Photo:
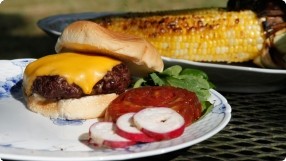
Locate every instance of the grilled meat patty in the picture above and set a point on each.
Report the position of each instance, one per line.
(57, 87)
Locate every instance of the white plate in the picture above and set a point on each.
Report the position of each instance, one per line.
(226, 77)
(25, 135)
(54, 25)
(231, 78)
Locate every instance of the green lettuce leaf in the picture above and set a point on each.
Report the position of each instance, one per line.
(191, 79)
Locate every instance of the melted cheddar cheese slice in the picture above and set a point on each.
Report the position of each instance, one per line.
(81, 69)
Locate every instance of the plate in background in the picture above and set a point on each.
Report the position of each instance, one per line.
(54, 25)
(226, 77)
(242, 79)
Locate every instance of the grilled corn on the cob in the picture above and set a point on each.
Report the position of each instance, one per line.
(212, 35)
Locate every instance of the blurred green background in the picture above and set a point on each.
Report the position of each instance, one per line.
(20, 36)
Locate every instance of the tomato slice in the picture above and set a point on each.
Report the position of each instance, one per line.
(181, 100)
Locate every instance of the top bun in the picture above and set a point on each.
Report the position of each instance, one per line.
(89, 37)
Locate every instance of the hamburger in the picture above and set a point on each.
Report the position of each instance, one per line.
(91, 68)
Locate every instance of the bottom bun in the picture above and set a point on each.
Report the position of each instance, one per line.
(88, 107)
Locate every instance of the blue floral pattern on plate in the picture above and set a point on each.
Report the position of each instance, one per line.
(52, 140)
(63, 122)
(12, 85)
(219, 103)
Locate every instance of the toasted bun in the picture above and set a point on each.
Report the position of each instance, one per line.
(86, 36)
(88, 107)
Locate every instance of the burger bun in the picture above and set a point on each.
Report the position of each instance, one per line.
(89, 37)
(88, 107)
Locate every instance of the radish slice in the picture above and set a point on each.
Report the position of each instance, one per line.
(160, 123)
(126, 128)
(103, 134)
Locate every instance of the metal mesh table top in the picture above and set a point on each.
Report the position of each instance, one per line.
(256, 131)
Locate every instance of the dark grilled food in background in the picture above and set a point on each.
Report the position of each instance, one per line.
(273, 14)
(57, 87)
(272, 10)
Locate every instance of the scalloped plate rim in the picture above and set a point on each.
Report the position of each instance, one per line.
(25, 154)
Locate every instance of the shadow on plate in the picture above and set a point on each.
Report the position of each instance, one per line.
(161, 157)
